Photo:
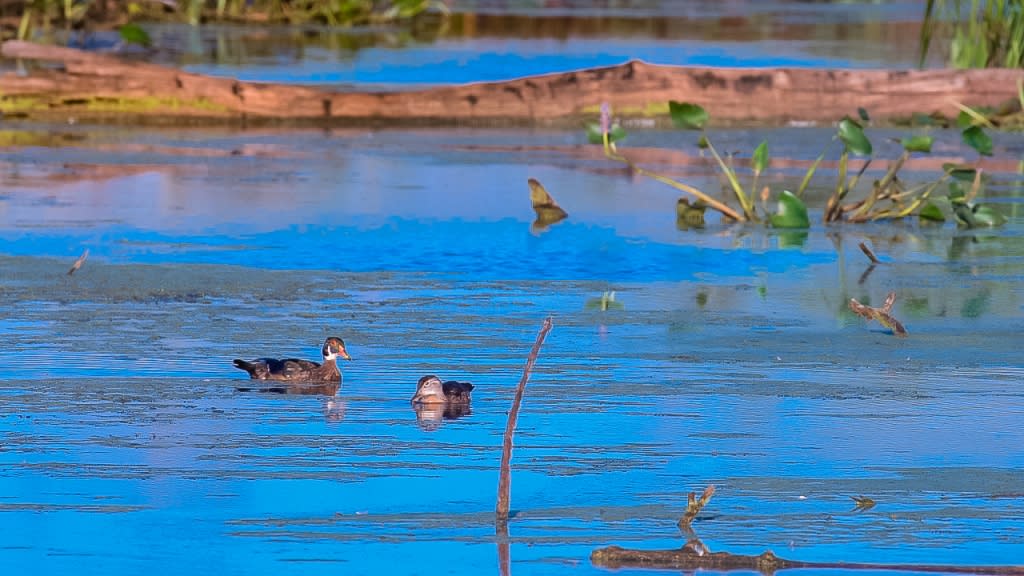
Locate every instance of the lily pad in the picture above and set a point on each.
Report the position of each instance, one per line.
(918, 144)
(852, 135)
(792, 212)
(594, 135)
(976, 138)
(687, 116)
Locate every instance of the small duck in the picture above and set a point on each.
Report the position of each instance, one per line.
(430, 390)
(295, 370)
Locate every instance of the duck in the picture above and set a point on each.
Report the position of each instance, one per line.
(430, 390)
(295, 370)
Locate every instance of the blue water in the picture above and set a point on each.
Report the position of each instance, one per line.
(125, 446)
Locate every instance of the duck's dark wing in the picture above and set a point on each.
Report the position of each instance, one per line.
(276, 369)
(289, 368)
(457, 392)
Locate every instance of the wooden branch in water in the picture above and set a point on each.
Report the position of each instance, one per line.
(78, 263)
(882, 315)
(91, 85)
(505, 473)
(688, 558)
(694, 506)
(869, 253)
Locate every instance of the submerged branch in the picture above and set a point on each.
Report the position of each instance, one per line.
(882, 315)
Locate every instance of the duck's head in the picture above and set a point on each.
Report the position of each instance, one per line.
(334, 348)
(429, 391)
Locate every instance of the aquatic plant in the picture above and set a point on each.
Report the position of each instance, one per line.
(45, 14)
(888, 198)
(983, 34)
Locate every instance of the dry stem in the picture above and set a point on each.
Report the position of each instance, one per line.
(504, 478)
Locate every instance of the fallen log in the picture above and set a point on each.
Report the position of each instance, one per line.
(94, 86)
(687, 558)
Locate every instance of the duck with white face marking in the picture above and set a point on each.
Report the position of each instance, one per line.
(296, 370)
(431, 390)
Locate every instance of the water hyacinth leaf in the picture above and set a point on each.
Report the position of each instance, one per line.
(986, 215)
(976, 138)
(134, 34)
(760, 159)
(964, 215)
(594, 135)
(961, 172)
(964, 120)
(792, 212)
(687, 116)
(918, 144)
(852, 135)
(863, 114)
(932, 213)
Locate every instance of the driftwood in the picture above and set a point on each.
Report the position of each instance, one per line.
(882, 315)
(89, 84)
(689, 558)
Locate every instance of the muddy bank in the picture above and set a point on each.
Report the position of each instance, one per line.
(89, 86)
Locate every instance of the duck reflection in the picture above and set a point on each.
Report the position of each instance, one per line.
(333, 407)
(431, 416)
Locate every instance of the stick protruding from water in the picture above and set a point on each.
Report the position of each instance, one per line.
(505, 473)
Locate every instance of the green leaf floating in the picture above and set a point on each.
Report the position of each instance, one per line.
(986, 215)
(918, 144)
(760, 159)
(594, 135)
(932, 213)
(852, 135)
(134, 34)
(976, 138)
(687, 116)
(961, 172)
(792, 212)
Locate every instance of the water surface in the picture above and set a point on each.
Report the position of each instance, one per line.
(125, 446)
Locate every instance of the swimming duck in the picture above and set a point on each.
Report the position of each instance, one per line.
(295, 370)
(430, 390)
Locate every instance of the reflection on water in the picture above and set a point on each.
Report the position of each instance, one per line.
(733, 360)
(504, 41)
(431, 416)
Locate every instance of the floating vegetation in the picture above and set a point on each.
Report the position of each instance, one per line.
(548, 211)
(604, 303)
(881, 315)
(889, 197)
(862, 503)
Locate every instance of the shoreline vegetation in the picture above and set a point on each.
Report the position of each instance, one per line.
(81, 86)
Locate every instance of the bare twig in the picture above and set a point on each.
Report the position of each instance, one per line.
(882, 315)
(869, 253)
(504, 477)
(694, 506)
(78, 263)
